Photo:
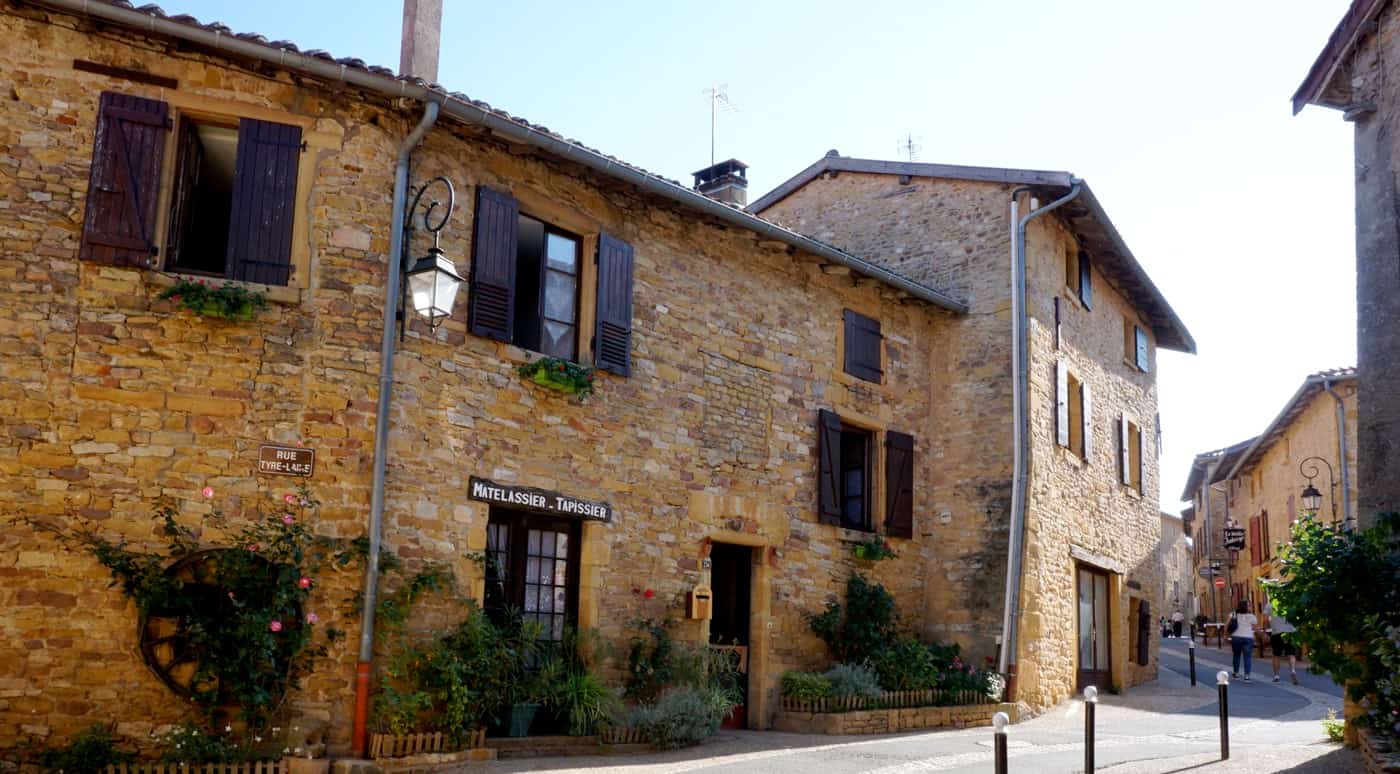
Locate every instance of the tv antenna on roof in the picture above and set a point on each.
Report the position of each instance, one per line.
(908, 147)
(719, 101)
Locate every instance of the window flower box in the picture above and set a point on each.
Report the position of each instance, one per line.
(561, 375)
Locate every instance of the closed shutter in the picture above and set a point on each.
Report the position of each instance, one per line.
(1254, 540)
(863, 345)
(828, 467)
(264, 201)
(1061, 403)
(899, 484)
(1086, 280)
(1141, 348)
(1086, 420)
(1124, 463)
(119, 224)
(492, 286)
(613, 337)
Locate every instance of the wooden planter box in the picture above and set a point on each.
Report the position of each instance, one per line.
(259, 767)
(391, 746)
(623, 736)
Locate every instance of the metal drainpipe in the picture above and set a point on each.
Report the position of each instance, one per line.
(1020, 429)
(1347, 516)
(392, 300)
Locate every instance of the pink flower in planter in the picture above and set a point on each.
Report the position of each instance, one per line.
(255, 547)
(304, 583)
(275, 626)
(289, 498)
(287, 519)
(312, 618)
(207, 491)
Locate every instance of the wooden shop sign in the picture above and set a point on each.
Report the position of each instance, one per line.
(286, 460)
(544, 501)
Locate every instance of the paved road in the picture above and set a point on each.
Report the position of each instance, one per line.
(1163, 727)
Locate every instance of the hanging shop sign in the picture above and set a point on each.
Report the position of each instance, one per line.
(541, 500)
(286, 460)
(1234, 538)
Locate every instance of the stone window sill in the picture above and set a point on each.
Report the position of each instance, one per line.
(278, 294)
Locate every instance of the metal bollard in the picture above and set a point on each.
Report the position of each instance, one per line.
(1191, 654)
(1091, 702)
(1222, 684)
(999, 722)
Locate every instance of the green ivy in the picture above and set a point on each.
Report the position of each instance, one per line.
(865, 626)
(226, 302)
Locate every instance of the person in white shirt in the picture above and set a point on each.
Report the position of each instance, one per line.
(1242, 639)
(1178, 618)
(1281, 642)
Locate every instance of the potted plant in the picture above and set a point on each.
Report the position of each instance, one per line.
(225, 302)
(534, 687)
(585, 702)
(558, 374)
(874, 548)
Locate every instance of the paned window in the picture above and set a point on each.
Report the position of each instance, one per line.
(855, 478)
(847, 466)
(546, 277)
(532, 568)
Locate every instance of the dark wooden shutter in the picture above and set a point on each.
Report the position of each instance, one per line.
(188, 166)
(1086, 280)
(1086, 420)
(1124, 465)
(1265, 546)
(1061, 403)
(1140, 342)
(828, 467)
(1254, 552)
(863, 345)
(899, 484)
(613, 335)
(492, 285)
(264, 201)
(119, 224)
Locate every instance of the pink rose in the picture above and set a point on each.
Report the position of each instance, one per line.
(312, 618)
(304, 583)
(287, 519)
(289, 498)
(207, 491)
(275, 626)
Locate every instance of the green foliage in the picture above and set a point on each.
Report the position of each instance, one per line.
(241, 608)
(910, 665)
(187, 743)
(1341, 589)
(853, 680)
(864, 627)
(657, 662)
(1334, 726)
(559, 374)
(681, 716)
(875, 548)
(585, 702)
(226, 302)
(90, 751)
(806, 686)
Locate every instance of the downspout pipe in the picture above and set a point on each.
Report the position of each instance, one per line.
(1020, 429)
(393, 298)
(1348, 519)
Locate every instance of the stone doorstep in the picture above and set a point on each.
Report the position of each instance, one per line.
(561, 746)
(1378, 755)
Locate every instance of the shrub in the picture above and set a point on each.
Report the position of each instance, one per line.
(853, 680)
(910, 665)
(805, 686)
(90, 751)
(186, 743)
(657, 662)
(681, 717)
(864, 627)
(1334, 727)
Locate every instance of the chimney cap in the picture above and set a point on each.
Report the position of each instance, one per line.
(719, 168)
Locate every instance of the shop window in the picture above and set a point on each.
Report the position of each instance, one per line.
(232, 202)
(532, 568)
(863, 346)
(525, 283)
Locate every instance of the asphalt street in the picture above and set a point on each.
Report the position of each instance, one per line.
(1164, 726)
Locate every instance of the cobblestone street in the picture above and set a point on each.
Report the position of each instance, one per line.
(1163, 726)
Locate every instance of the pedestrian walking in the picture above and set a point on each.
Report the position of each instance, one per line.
(1281, 643)
(1241, 631)
(1178, 618)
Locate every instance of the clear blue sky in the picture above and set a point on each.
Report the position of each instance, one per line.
(1176, 113)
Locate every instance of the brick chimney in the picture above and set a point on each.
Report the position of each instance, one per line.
(422, 32)
(725, 182)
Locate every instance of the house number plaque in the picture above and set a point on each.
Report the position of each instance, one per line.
(542, 500)
(286, 460)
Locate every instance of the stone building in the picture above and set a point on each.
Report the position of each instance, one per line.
(1355, 74)
(1208, 514)
(764, 400)
(1094, 321)
(1174, 554)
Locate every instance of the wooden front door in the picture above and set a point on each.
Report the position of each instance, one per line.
(731, 581)
(1094, 629)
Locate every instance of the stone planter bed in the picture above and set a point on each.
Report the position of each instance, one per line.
(893, 711)
(1379, 755)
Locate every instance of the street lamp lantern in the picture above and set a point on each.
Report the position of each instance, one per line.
(432, 284)
(1312, 499)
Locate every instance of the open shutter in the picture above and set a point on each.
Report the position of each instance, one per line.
(1086, 280)
(1138, 465)
(828, 467)
(264, 201)
(899, 484)
(1061, 403)
(492, 285)
(1254, 552)
(1086, 420)
(613, 337)
(1124, 464)
(189, 163)
(119, 224)
(1140, 348)
(863, 345)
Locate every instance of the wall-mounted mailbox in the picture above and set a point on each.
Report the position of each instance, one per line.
(699, 604)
